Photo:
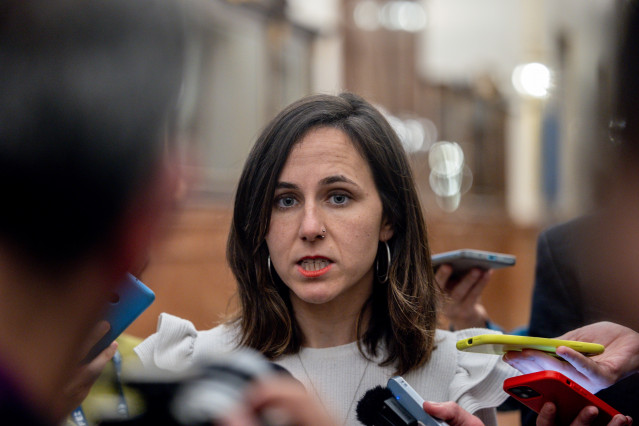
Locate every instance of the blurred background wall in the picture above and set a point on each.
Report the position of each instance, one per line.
(442, 70)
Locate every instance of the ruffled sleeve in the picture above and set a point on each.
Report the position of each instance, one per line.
(171, 347)
(478, 380)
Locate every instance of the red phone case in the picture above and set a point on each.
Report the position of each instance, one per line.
(535, 389)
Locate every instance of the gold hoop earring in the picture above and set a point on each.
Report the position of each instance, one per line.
(383, 278)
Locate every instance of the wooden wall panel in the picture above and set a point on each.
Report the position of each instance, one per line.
(188, 270)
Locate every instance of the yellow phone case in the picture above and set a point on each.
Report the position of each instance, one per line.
(499, 344)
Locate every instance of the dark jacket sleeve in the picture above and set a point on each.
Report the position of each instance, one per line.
(556, 301)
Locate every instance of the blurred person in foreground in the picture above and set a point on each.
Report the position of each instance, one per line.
(86, 90)
(86, 174)
(621, 210)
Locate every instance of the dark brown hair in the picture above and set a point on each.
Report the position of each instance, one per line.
(403, 310)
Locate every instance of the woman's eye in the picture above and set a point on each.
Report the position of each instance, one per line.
(284, 202)
(339, 199)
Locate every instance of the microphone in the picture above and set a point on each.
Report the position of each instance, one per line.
(378, 407)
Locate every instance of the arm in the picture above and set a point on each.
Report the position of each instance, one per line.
(620, 358)
(555, 300)
(85, 375)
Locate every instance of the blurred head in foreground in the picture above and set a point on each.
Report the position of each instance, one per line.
(87, 91)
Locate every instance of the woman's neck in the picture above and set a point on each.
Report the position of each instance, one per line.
(327, 325)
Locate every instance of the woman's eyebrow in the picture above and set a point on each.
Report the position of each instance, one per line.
(286, 185)
(325, 181)
(336, 179)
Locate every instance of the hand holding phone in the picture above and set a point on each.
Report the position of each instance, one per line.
(499, 344)
(411, 400)
(569, 398)
(127, 302)
(462, 306)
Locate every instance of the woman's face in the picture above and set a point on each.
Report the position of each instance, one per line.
(326, 221)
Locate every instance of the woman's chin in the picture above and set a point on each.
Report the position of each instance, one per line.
(316, 299)
(314, 296)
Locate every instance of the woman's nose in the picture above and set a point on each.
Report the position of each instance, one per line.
(312, 227)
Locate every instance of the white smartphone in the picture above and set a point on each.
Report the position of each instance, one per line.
(127, 302)
(464, 260)
(411, 401)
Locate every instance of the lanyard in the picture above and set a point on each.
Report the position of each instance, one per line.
(123, 409)
(78, 417)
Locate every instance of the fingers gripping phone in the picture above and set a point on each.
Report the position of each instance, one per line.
(499, 344)
(464, 260)
(535, 389)
(127, 302)
(411, 401)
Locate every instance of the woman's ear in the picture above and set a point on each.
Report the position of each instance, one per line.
(386, 230)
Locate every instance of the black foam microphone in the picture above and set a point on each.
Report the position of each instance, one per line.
(378, 407)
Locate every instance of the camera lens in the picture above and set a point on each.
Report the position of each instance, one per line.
(524, 392)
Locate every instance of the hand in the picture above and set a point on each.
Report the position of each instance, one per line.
(620, 358)
(280, 401)
(85, 375)
(585, 417)
(462, 306)
(451, 413)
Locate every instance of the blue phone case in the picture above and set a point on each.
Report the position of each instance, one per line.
(128, 301)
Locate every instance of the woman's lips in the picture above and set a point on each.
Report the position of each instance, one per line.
(314, 267)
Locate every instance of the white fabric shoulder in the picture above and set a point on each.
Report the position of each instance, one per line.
(479, 378)
(177, 345)
(340, 375)
(472, 380)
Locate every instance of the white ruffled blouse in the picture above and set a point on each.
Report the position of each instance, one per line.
(339, 376)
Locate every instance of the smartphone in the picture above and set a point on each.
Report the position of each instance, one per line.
(535, 389)
(126, 303)
(411, 401)
(499, 344)
(464, 260)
